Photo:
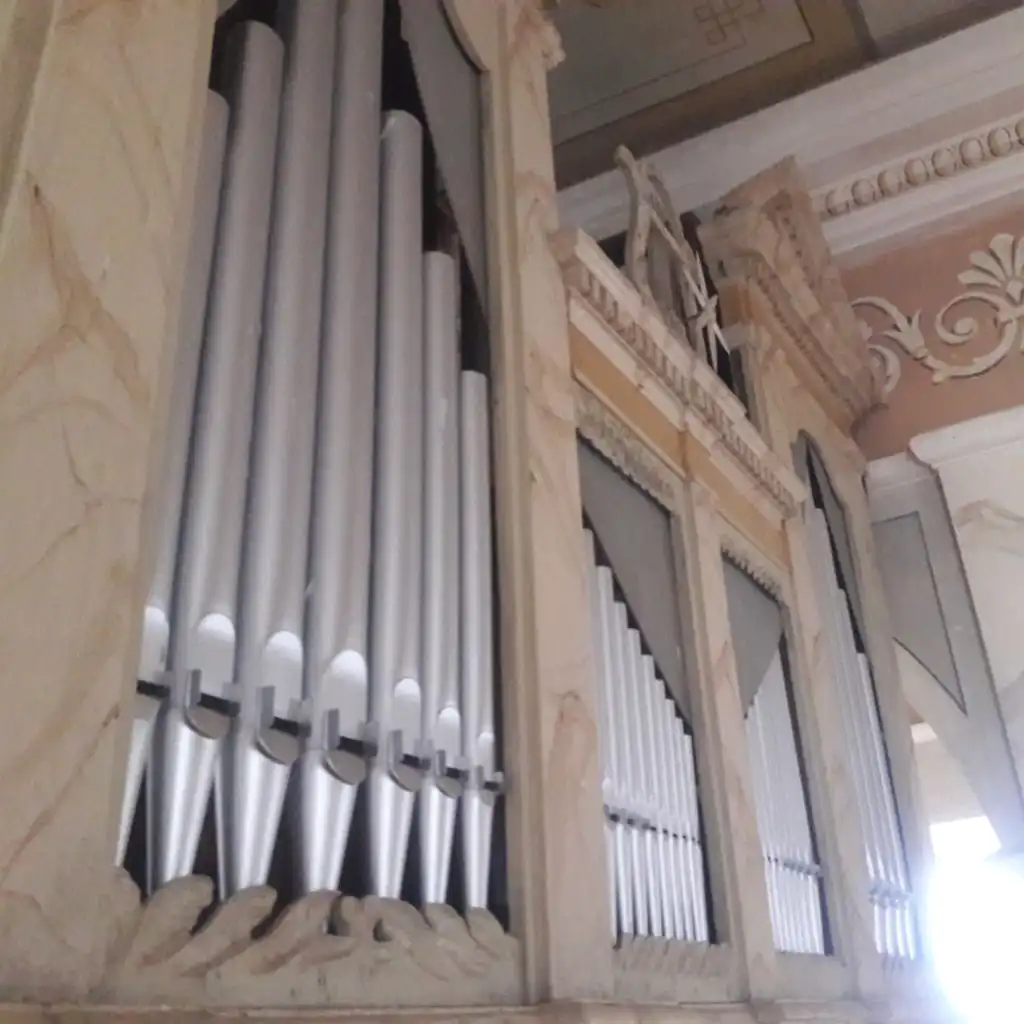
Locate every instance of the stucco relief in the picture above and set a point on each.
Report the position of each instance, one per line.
(991, 304)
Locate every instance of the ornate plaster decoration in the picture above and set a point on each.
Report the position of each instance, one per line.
(994, 279)
(597, 284)
(926, 167)
(622, 448)
(377, 953)
(766, 233)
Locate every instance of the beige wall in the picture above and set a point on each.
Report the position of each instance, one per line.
(923, 281)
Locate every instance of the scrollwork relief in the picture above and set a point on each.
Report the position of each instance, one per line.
(323, 949)
(995, 280)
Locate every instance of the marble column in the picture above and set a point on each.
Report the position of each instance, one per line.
(100, 109)
(980, 465)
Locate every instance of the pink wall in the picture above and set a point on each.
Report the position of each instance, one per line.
(919, 281)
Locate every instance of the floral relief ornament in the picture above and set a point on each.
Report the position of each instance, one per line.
(995, 279)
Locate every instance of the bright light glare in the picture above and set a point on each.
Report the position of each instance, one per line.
(976, 920)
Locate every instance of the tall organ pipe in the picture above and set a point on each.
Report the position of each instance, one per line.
(204, 622)
(395, 668)
(442, 717)
(254, 768)
(335, 677)
(477, 639)
(156, 625)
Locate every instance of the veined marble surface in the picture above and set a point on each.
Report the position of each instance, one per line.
(98, 159)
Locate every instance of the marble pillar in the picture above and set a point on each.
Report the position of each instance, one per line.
(100, 106)
(556, 858)
(980, 465)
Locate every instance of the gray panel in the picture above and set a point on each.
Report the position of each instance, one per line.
(755, 620)
(450, 87)
(635, 533)
(913, 598)
(835, 514)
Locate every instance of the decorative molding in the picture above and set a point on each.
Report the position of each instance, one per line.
(747, 558)
(979, 436)
(925, 167)
(920, 102)
(997, 277)
(594, 281)
(766, 233)
(167, 951)
(622, 448)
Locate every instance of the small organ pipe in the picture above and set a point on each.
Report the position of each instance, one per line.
(646, 804)
(396, 706)
(256, 763)
(615, 727)
(442, 715)
(634, 785)
(477, 612)
(335, 677)
(157, 620)
(156, 628)
(602, 669)
(204, 623)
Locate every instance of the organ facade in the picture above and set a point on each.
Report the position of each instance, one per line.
(413, 606)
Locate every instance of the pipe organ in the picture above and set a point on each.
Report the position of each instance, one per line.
(792, 871)
(318, 632)
(655, 854)
(866, 752)
(444, 494)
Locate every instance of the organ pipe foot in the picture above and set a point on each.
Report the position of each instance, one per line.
(438, 802)
(477, 827)
(144, 715)
(328, 781)
(252, 780)
(186, 742)
(394, 781)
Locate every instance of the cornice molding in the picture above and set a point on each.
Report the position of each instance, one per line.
(916, 105)
(747, 558)
(979, 436)
(594, 281)
(766, 235)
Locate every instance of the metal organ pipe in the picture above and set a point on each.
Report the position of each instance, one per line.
(336, 683)
(157, 619)
(323, 597)
(204, 622)
(656, 870)
(256, 763)
(477, 613)
(442, 715)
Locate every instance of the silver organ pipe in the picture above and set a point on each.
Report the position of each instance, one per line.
(792, 874)
(604, 681)
(255, 766)
(650, 792)
(336, 681)
(320, 624)
(396, 702)
(204, 622)
(156, 627)
(889, 893)
(442, 715)
(477, 607)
